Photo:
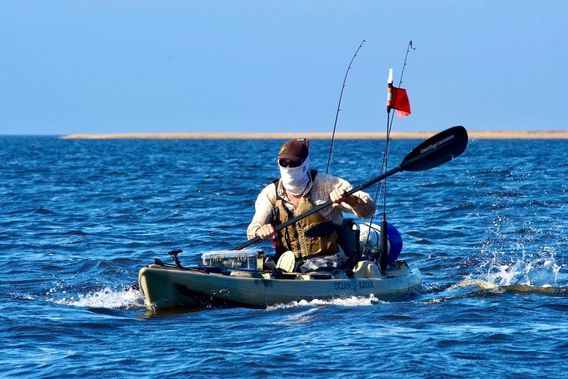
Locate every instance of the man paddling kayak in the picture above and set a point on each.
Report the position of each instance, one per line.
(313, 240)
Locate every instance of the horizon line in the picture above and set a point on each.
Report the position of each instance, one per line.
(476, 134)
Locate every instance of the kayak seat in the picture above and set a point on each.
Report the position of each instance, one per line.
(349, 242)
(366, 269)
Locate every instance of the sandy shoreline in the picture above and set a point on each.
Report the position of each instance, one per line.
(495, 134)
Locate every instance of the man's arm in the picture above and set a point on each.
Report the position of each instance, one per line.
(264, 211)
(359, 203)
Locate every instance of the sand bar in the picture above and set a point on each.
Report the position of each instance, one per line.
(487, 134)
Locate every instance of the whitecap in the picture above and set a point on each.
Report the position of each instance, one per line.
(539, 272)
(353, 301)
(127, 298)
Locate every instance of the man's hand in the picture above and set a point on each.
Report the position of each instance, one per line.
(337, 196)
(266, 232)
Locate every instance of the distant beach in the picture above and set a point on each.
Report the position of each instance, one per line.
(495, 134)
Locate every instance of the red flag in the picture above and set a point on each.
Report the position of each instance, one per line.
(400, 101)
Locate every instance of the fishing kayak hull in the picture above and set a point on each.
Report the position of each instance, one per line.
(166, 286)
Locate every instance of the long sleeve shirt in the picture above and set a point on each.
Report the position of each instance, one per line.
(319, 190)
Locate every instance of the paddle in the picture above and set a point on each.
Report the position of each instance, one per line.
(431, 153)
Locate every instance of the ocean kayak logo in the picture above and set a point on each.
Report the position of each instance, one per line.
(437, 144)
(341, 286)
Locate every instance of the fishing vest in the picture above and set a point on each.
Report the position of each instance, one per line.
(309, 237)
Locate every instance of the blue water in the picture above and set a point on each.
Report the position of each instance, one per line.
(78, 219)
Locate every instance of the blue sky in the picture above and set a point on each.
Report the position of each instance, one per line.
(277, 66)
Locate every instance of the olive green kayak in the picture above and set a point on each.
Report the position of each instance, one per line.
(166, 286)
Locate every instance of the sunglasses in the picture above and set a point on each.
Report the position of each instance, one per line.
(288, 163)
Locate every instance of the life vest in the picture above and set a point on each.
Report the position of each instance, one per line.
(309, 237)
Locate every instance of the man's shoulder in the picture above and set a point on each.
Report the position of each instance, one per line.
(269, 190)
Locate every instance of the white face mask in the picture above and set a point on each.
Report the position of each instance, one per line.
(296, 179)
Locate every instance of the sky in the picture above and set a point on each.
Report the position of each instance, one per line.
(82, 66)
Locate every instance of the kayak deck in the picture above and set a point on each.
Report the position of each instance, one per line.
(166, 286)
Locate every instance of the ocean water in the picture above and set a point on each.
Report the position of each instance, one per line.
(78, 219)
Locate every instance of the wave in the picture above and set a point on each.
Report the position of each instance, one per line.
(126, 298)
(538, 272)
(527, 276)
(469, 287)
(485, 287)
(353, 301)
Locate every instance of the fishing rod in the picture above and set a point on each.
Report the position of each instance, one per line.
(339, 106)
(384, 237)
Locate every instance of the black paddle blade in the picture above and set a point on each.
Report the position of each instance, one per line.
(436, 150)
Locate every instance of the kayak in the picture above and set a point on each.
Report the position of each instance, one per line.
(166, 286)
(240, 278)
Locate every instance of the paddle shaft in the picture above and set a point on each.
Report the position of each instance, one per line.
(319, 207)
